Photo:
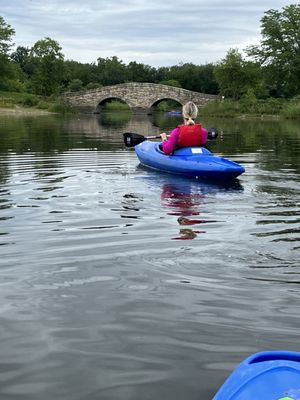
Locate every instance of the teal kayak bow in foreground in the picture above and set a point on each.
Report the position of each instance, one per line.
(269, 375)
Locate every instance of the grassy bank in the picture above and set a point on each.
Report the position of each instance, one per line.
(291, 110)
(31, 102)
(115, 105)
(254, 108)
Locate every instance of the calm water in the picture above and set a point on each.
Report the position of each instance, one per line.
(117, 282)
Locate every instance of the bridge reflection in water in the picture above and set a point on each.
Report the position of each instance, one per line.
(110, 125)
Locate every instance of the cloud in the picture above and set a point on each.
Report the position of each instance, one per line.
(152, 32)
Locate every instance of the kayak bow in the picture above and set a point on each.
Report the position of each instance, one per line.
(268, 375)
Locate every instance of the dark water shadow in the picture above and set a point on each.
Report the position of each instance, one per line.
(157, 177)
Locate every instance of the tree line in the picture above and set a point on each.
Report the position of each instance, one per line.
(270, 69)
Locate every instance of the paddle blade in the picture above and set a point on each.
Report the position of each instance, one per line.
(132, 139)
(212, 133)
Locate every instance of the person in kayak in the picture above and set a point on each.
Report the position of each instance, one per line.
(186, 135)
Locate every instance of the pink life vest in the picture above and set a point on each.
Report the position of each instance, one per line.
(191, 135)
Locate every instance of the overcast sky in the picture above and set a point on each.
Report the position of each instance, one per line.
(153, 32)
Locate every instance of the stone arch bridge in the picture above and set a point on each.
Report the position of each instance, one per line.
(140, 97)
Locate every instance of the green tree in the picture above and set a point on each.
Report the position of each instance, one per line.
(230, 75)
(21, 56)
(171, 82)
(137, 72)
(206, 79)
(6, 34)
(48, 67)
(199, 78)
(235, 76)
(93, 85)
(111, 71)
(85, 72)
(163, 74)
(75, 85)
(279, 50)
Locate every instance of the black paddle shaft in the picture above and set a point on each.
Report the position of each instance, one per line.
(133, 139)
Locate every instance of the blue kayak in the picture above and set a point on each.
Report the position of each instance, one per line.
(192, 162)
(174, 113)
(269, 375)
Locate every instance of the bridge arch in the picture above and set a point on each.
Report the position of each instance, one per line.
(106, 99)
(140, 97)
(164, 98)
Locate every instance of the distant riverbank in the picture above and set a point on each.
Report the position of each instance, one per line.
(30, 111)
(27, 103)
(23, 111)
(250, 107)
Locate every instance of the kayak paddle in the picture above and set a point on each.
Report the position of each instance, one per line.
(132, 139)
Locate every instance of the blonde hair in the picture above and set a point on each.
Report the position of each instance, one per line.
(190, 112)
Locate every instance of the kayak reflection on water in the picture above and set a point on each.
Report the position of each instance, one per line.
(185, 198)
(184, 204)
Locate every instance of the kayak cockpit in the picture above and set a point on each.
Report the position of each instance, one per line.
(185, 151)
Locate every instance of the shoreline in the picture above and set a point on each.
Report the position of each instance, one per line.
(19, 111)
(23, 111)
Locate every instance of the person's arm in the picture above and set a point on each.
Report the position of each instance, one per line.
(170, 144)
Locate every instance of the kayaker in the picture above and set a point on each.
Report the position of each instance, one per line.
(186, 135)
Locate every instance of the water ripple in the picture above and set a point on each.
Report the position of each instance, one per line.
(117, 282)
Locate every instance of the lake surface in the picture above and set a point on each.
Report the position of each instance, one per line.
(118, 282)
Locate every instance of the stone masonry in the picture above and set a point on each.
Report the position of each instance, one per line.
(140, 97)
